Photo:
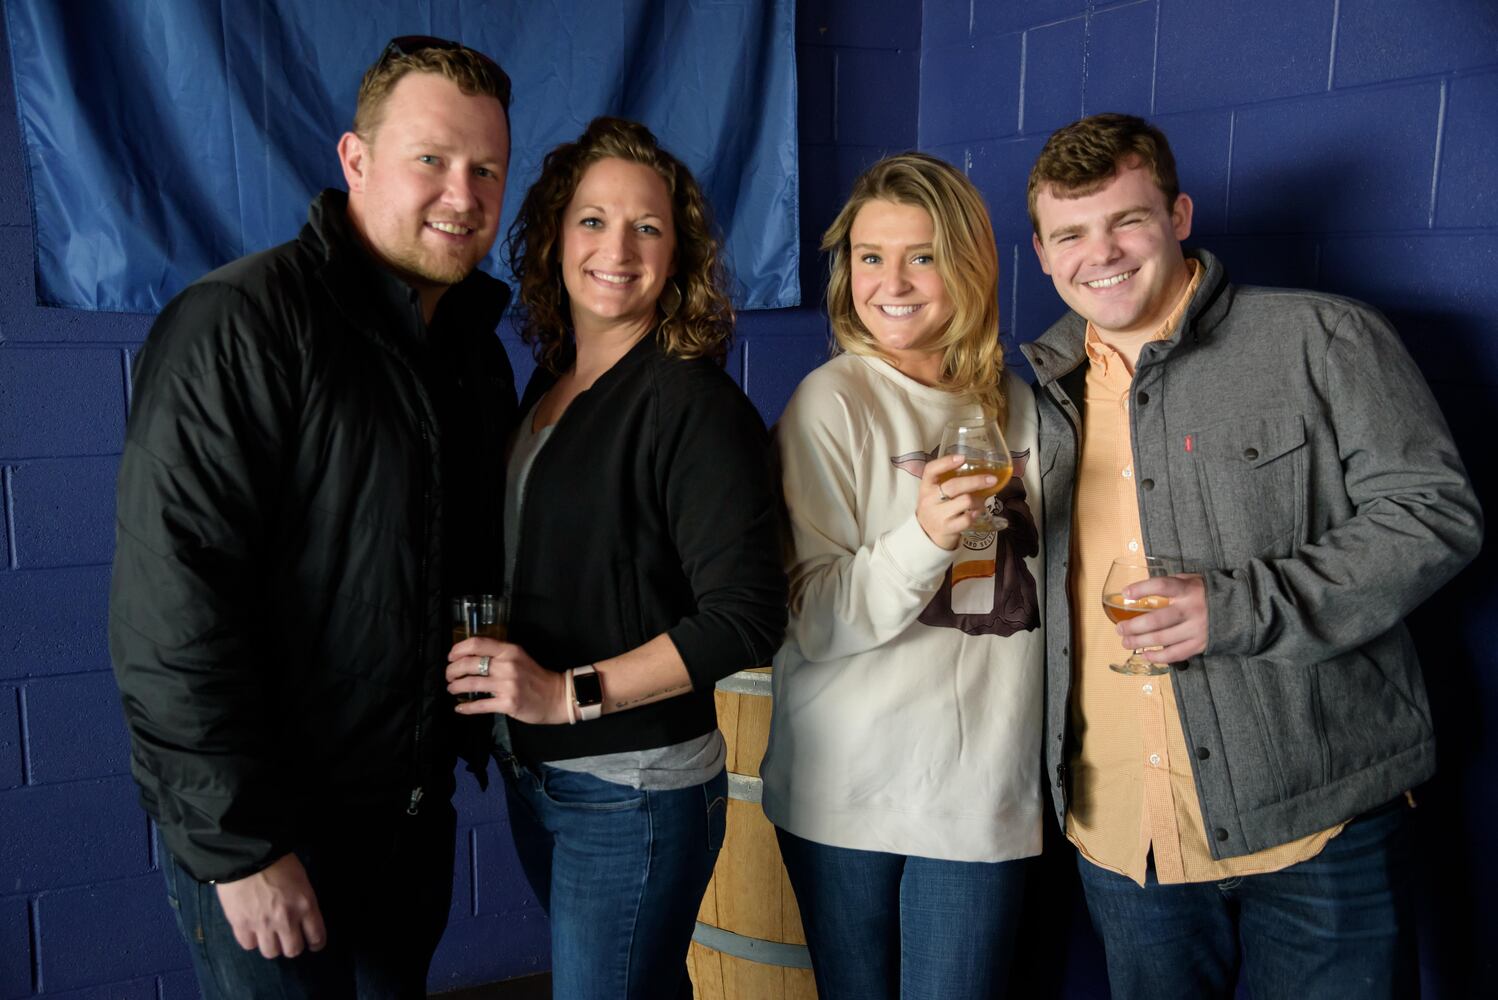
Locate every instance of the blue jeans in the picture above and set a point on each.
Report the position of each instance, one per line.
(1341, 924)
(886, 926)
(621, 874)
(383, 885)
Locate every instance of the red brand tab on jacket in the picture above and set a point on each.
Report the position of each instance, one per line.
(1188, 442)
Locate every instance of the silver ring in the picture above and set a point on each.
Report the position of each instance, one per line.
(484, 666)
(943, 496)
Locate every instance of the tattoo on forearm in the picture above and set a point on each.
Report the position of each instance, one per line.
(653, 696)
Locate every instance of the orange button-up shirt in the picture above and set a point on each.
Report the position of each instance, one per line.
(1132, 790)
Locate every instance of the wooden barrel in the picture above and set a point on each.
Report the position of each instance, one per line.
(748, 944)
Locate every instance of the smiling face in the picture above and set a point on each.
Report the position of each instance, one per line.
(426, 187)
(1115, 255)
(898, 293)
(618, 247)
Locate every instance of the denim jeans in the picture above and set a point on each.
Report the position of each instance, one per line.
(885, 926)
(1341, 924)
(383, 885)
(620, 873)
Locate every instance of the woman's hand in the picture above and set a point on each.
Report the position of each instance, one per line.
(944, 510)
(516, 684)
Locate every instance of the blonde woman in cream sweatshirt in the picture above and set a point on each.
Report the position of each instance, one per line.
(903, 768)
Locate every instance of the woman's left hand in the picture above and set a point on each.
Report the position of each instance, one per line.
(516, 684)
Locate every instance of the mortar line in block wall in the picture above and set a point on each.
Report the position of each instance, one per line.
(1024, 52)
(25, 727)
(837, 72)
(10, 515)
(125, 373)
(1155, 59)
(34, 929)
(473, 872)
(1331, 59)
(1227, 183)
(1440, 145)
(1013, 288)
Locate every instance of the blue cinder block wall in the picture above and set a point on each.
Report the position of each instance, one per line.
(1339, 144)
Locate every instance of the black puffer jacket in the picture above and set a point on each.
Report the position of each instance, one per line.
(277, 613)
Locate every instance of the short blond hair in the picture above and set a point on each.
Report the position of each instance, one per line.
(966, 258)
(474, 73)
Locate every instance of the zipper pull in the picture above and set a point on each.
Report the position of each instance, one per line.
(415, 804)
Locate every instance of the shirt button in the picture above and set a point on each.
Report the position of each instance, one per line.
(1220, 834)
(1146, 484)
(1250, 453)
(1128, 472)
(1149, 689)
(1202, 753)
(1154, 760)
(1143, 398)
(1133, 546)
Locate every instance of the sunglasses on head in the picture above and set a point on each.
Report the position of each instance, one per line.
(409, 45)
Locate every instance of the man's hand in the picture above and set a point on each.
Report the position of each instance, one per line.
(274, 910)
(1179, 629)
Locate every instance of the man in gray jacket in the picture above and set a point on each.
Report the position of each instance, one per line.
(1283, 449)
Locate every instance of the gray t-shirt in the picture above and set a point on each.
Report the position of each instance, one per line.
(681, 765)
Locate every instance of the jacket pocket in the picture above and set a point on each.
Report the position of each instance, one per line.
(1252, 478)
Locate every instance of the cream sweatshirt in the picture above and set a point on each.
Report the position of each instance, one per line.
(907, 707)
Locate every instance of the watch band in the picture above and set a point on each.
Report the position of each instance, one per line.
(587, 692)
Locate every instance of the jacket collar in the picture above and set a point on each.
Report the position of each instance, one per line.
(640, 353)
(378, 301)
(1063, 347)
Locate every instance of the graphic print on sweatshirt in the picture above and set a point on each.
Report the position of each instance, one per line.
(989, 591)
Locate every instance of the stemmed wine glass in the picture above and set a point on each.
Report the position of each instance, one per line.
(984, 450)
(1118, 608)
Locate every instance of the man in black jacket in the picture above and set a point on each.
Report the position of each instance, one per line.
(309, 470)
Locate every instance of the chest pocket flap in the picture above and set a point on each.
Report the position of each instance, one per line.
(1252, 479)
(1255, 442)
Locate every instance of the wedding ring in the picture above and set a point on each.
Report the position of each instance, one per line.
(483, 666)
(944, 498)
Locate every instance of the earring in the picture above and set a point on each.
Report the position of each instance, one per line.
(670, 300)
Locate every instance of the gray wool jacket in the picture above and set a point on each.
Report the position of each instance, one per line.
(1285, 447)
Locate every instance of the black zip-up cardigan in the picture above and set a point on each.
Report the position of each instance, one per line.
(651, 509)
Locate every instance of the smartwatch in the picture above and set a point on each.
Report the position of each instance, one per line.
(587, 692)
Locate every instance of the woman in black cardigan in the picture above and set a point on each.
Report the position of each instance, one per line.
(642, 562)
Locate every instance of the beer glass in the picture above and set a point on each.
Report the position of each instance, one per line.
(984, 450)
(1118, 608)
(484, 615)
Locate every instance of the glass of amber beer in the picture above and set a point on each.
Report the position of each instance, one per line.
(1118, 608)
(484, 615)
(984, 450)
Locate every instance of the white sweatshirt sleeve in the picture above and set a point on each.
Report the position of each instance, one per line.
(854, 586)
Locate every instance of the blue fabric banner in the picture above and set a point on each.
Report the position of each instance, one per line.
(167, 137)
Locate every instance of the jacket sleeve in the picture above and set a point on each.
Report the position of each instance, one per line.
(723, 519)
(198, 487)
(849, 594)
(1416, 520)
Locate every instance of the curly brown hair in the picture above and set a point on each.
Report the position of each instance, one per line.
(966, 259)
(1081, 158)
(701, 326)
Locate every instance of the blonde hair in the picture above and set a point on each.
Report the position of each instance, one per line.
(474, 73)
(966, 259)
(696, 315)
